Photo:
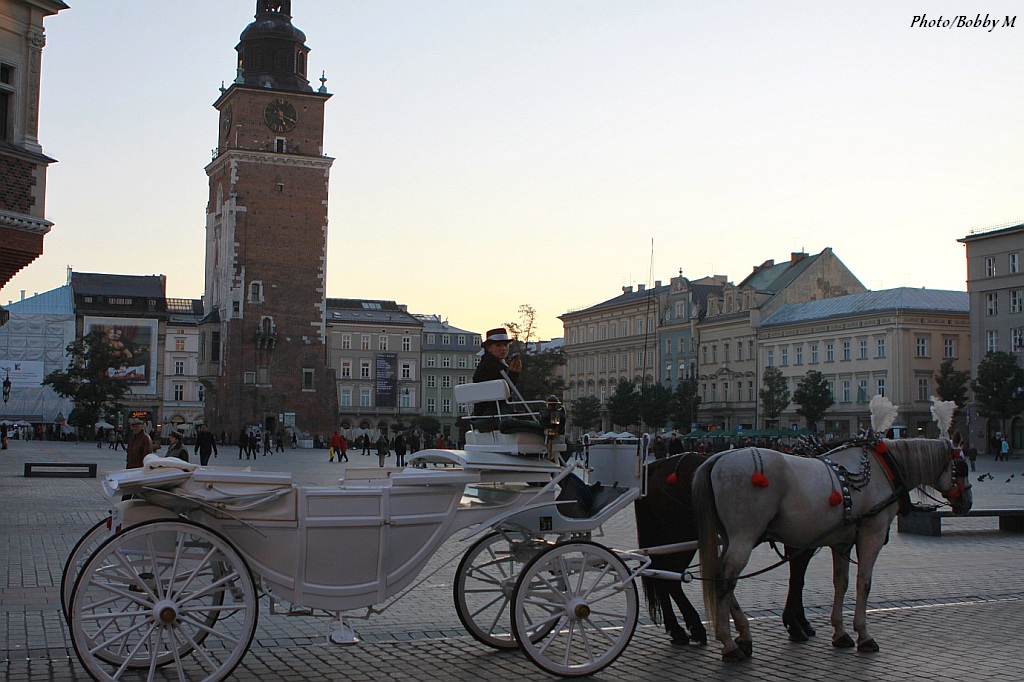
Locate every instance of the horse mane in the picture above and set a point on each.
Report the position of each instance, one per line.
(920, 460)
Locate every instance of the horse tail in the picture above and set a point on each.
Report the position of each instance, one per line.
(709, 529)
(650, 586)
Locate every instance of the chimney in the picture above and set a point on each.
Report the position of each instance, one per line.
(627, 290)
(767, 264)
(641, 287)
(23, 294)
(657, 283)
(796, 257)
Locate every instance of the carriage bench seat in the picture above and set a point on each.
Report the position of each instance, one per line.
(926, 521)
(60, 470)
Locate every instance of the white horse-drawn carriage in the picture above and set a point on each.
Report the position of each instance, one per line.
(169, 585)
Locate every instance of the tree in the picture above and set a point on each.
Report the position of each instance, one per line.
(951, 384)
(524, 331)
(427, 424)
(655, 405)
(813, 396)
(87, 381)
(586, 412)
(624, 404)
(999, 388)
(540, 377)
(775, 394)
(685, 402)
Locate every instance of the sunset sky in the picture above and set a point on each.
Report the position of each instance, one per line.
(491, 154)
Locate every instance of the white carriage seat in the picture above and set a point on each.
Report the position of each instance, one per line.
(482, 392)
(497, 390)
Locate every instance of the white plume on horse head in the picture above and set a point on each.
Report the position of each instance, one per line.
(883, 414)
(942, 413)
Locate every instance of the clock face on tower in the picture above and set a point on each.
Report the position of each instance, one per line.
(280, 116)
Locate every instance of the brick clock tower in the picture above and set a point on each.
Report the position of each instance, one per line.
(263, 356)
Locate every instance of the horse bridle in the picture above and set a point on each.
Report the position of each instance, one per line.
(960, 477)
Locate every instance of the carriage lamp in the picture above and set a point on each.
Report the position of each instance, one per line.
(7, 388)
(552, 417)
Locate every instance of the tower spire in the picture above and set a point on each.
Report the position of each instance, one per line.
(271, 51)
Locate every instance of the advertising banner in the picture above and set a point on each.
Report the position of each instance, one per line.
(134, 342)
(386, 379)
(22, 372)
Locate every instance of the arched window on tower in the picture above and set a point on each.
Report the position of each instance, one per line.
(256, 292)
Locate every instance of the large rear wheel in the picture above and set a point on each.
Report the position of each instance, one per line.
(164, 593)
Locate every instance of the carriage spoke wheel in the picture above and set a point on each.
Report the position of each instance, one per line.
(168, 593)
(483, 588)
(581, 596)
(85, 546)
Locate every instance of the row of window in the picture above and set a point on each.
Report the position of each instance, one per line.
(446, 339)
(178, 391)
(922, 349)
(612, 362)
(406, 370)
(1016, 302)
(365, 342)
(1016, 340)
(1013, 265)
(611, 330)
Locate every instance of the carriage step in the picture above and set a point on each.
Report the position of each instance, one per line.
(929, 521)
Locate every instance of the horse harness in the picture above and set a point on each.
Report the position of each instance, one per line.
(856, 481)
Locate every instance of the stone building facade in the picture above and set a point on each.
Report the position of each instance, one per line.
(23, 165)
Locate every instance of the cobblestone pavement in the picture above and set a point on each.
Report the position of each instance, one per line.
(940, 607)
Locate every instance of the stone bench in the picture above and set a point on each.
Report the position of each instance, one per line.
(929, 521)
(60, 470)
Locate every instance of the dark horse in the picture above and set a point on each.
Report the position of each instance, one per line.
(664, 517)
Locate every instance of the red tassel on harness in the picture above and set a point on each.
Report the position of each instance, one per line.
(835, 499)
(672, 479)
(759, 479)
(881, 448)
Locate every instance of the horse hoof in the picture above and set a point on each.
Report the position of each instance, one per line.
(733, 655)
(868, 646)
(746, 646)
(679, 638)
(699, 636)
(796, 633)
(844, 642)
(806, 627)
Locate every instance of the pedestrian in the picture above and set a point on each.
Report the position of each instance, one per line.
(295, 441)
(120, 441)
(99, 437)
(3, 436)
(660, 447)
(1004, 450)
(206, 443)
(334, 447)
(383, 449)
(266, 442)
(400, 449)
(243, 444)
(280, 442)
(972, 456)
(675, 445)
(344, 447)
(176, 447)
(366, 444)
(139, 445)
(110, 439)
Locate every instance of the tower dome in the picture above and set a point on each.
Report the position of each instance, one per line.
(271, 51)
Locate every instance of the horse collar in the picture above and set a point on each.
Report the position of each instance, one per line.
(892, 472)
(848, 481)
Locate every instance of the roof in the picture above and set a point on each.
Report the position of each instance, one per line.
(623, 299)
(366, 311)
(434, 323)
(148, 286)
(57, 301)
(997, 231)
(184, 310)
(887, 300)
(774, 278)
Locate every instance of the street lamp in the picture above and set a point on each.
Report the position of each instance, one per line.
(7, 387)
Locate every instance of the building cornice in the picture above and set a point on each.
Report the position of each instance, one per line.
(24, 223)
(232, 156)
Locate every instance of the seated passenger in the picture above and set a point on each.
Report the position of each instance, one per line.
(495, 352)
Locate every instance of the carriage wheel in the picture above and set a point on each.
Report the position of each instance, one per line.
(164, 592)
(85, 546)
(583, 595)
(483, 588)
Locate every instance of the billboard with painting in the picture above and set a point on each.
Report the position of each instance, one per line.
(135, 344)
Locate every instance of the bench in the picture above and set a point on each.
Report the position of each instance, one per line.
(60, 470)
(929, 521)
